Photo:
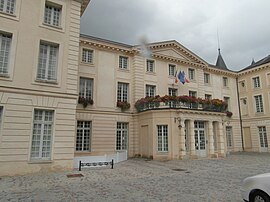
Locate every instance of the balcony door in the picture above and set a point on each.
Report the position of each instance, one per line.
(200, 140)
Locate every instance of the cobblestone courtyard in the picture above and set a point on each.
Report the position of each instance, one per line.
(142, 180)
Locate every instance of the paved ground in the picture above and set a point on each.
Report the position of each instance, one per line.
(140, 180)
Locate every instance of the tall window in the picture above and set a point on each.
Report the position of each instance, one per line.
(52, 14)
(86, 88)
(191, 74)
(172, 70)
(193, 94)
(206, 78)
(256, 82)
(47, 62)
(150, 90)
(87, 56)
(123, 62)
(172, 91)
(42, 134)
(122, 136)
(7, 6)
(83, 136)
(208, 96)
(122, 92)
(227, 100)
(263, 136)
(258, 103)
(162, 133)
(229, 136)
(1, 114)
(5, 41)
(225, 82)
(150, 65)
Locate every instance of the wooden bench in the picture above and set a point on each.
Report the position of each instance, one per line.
(95, 164)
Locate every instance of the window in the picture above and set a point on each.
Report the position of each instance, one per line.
(193, 93)
(150, 91)
(208, 96)
(7, 6)
(123, 62)
(172, 70)
(83, 136)
(206, 78)
(5, 42)
(122, 136)
(191, 74)
(229, 136)
(86, 88)
(42, 134)
(47, 62)
(1, 114)
(256, 82)
(162, 133)
(172, 92)
(122, 92)
(258, 103)
(52, 14)
(87, 56)
(227, 100)
(150, 65)
(225, 82)
(263, 136)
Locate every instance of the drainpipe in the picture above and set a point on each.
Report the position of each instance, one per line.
(240, 116)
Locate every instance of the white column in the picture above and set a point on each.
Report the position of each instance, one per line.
(182, 146)
(192, 138)
(211, 138)
(220, 139)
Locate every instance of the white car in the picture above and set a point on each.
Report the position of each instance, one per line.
(256, 188)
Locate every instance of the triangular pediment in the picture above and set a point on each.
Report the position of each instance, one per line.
(173, 49)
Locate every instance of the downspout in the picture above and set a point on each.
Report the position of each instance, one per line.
(240, 115)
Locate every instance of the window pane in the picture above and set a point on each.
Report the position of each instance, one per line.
(83, 138)
(5, 42)
(86, 88)
(121, 136)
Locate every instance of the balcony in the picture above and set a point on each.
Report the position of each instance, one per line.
(181, 102)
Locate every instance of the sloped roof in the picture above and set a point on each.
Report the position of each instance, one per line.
(256, 64)
(220, 62)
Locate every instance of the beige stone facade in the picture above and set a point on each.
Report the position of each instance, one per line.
(254, 96)
(60, 95)
(38, 79)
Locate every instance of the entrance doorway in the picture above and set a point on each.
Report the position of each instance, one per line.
(199, 133)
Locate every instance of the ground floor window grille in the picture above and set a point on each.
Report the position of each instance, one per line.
(121, 136)
(229, 136)
(263, 136)
(42, 134)
(162, 133)
(83, 136)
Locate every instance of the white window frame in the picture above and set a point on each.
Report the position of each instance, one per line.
(206, 78)
(122, 91)
(192, 93)
(123, 62)
(150, 90)
(121, 136)
(208, 96)
(42, 134)
(256, 82)
(263, 136)
(259, 103)
(162, 138)
(47, 62)
(172, 70)
(8, 6)
(150, 65)
(172, 91)
(52, 14)
(83, 136)
(86, 88)
(225, 81)
(229, 136)
(1, 117)
(5, 48)
(191, 74)
(87, 56)
(228, 101)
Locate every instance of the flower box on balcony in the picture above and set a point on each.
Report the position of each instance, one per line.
(85, 101)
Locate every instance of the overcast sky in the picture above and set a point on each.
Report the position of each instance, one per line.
(243, 26)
